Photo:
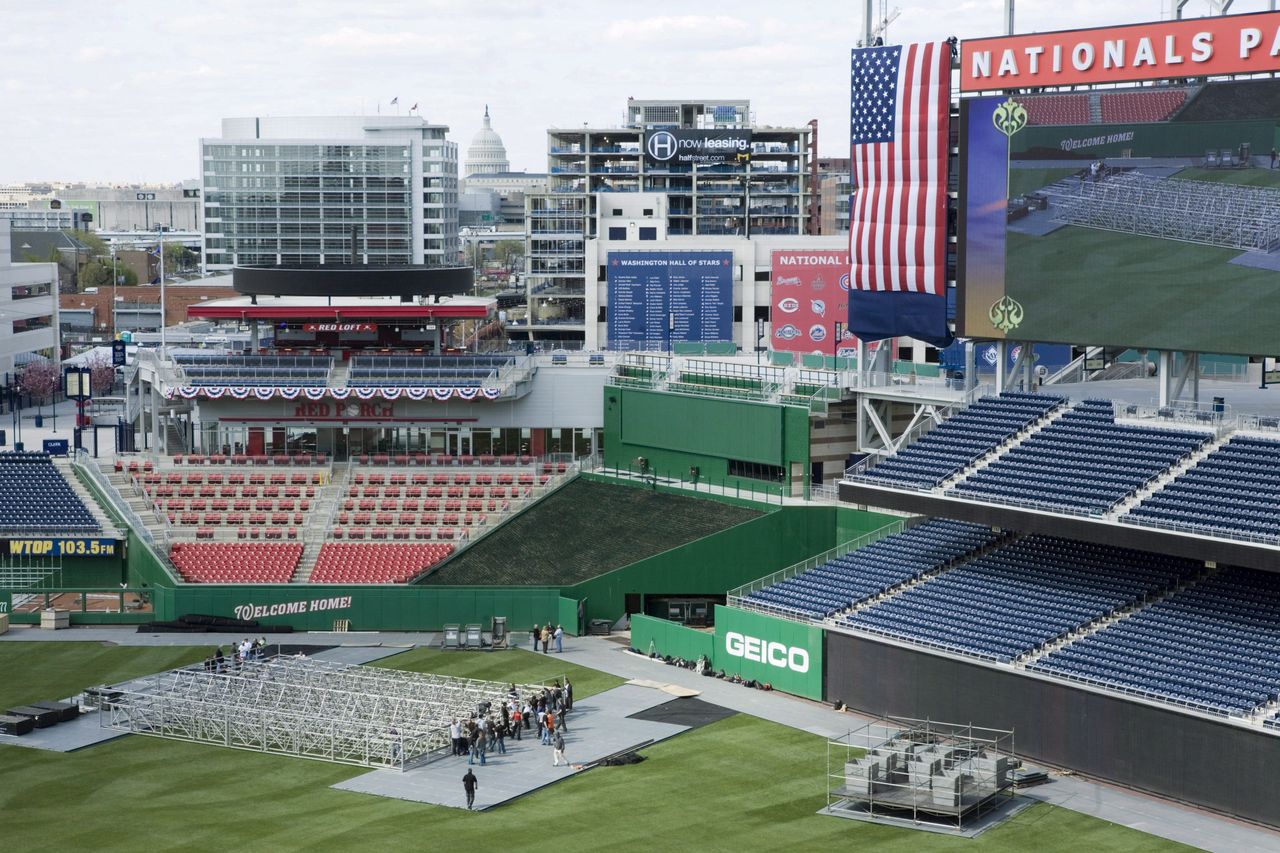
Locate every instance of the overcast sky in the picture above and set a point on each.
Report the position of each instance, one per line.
(122, 91)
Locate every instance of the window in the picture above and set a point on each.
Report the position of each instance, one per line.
(617, 233)
(756, 471)
(617, 211)
(737, 313)
(648, 233)
(762, 275)
(602, 316)
(648, 211)
(762, 313)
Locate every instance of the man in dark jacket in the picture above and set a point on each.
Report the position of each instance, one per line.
(558, 751)
(469, 784)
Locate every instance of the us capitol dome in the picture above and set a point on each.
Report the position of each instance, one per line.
(486, 155)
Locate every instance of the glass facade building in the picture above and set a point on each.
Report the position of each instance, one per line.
(365, 190)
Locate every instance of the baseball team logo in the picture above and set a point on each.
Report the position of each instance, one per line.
(789, 305)
(817, 333)
(787, 332)
(817, 306)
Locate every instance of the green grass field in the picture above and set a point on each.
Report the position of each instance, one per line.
(1243, 177)
(1079, 284)
(741, 784)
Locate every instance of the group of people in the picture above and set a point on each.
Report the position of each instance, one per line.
(487, 731)
(236, 656)
(544, 634)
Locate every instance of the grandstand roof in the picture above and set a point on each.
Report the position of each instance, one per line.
(339, 308)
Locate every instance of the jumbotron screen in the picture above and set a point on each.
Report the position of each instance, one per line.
(1144, 217)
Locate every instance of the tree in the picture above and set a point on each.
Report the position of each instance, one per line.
(40, 380)
(102, 374)
(507, 252)
(97, 273)
(177, 257)
(97, 246)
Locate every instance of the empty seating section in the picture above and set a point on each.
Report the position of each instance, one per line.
(439, 371)
(962, 439)
(237, 370)
(1056, 109)
(1211, 646)
(1084, 460)
(346, 562)
(1155, 105)
(874, 570)
(236, 562)
(1234, 491)
(270, 504)
(34, 496)
(1014, 600)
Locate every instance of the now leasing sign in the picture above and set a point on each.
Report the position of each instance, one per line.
(786, 654)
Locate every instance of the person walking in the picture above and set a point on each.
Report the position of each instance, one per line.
(516, 728)
(559, 635)
(568, 695)
(469, 785)
(482, 744)
(1275, 155)
(557, 754)
(549, 732)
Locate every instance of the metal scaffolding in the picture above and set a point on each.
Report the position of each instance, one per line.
(305, 707)
(1232, 216)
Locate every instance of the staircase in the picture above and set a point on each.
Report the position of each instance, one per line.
(68, 473)
(316, 532)
(998, 452)
(1165, 478)
(1095, 108)
(137, 503)
(339, 374)
(1110, 619)
(1002, 542)
(175, 439)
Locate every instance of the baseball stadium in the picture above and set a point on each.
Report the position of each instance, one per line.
(695, 597)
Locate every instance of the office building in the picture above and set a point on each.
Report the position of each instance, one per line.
(315, 190)
(28, 307)
(761, 191)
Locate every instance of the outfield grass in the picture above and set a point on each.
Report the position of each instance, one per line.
(741, 784)
(1243, 177)
(30, 672)
(1080, 284)
(1024, 181)
(516, 665)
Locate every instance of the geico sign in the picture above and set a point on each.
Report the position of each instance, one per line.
(780, 655)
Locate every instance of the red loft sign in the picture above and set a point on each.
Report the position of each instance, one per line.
(340, 327)
(1203, 47)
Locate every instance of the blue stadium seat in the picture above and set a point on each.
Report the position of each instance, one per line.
(34, 496)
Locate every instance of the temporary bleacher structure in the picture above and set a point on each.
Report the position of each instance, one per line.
(1016, 599)
(874, 570)
(1234, 491)
(304, 707)
(1232, 216)
(962, 439)
(1211, 647)
(35, 497)
(1084, 460)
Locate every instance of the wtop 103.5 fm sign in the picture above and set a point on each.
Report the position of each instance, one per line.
(697, 147)
(786, 654)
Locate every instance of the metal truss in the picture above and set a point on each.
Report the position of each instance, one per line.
(307, 708)
(1232, 216)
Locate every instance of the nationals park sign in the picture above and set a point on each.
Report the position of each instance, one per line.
(1202, 47)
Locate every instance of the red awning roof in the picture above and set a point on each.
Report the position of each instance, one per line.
(333, 313)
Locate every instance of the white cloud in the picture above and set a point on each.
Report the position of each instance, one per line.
(713, 27)
(93, 53)
(359, 40)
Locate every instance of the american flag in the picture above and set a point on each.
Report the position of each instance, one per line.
(898, 135)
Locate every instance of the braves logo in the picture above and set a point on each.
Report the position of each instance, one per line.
(788, 281)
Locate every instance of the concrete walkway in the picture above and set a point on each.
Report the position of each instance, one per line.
(599, 726)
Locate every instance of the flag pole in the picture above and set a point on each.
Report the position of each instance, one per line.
(160, 234)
